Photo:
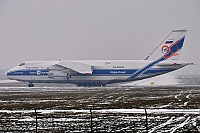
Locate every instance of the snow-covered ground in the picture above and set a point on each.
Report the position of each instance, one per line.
(125, 111)
(162, 80)
(103, 120)
(114, 109)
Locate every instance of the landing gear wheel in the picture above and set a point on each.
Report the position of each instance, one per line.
(79, 84)
(103, 85)
(30, 85)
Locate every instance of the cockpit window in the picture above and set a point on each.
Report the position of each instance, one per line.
(22, 64)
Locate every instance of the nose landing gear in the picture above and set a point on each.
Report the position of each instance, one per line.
(30, 85)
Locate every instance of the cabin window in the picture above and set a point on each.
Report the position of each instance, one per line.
(22, 64)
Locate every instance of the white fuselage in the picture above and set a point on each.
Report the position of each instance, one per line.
(103, 71)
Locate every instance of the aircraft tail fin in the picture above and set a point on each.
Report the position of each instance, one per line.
(170, 47)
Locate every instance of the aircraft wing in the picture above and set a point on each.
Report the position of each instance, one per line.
(73, 67)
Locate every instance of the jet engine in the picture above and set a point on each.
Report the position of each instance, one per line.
(59, 75)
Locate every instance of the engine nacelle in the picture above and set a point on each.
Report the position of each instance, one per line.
(59, 75)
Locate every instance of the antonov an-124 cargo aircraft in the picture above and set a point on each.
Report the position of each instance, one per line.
(163, 59)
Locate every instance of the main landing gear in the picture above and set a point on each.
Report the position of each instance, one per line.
(92, 84)
(30, 85)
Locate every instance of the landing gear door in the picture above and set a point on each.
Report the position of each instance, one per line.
(32, 77)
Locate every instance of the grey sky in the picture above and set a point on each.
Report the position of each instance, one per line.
(93, 29)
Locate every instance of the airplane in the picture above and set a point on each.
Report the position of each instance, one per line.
(163, 59)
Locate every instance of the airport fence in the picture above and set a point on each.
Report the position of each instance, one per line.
(86, 121)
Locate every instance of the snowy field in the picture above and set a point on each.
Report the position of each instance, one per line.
(114, 109)
(172, 105)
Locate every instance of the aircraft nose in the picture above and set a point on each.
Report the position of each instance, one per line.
(8, 73)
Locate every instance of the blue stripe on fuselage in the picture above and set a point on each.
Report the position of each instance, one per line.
(106, 72)
(114, 71)
(28, 72)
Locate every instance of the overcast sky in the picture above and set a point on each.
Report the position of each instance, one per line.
(93, 29)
